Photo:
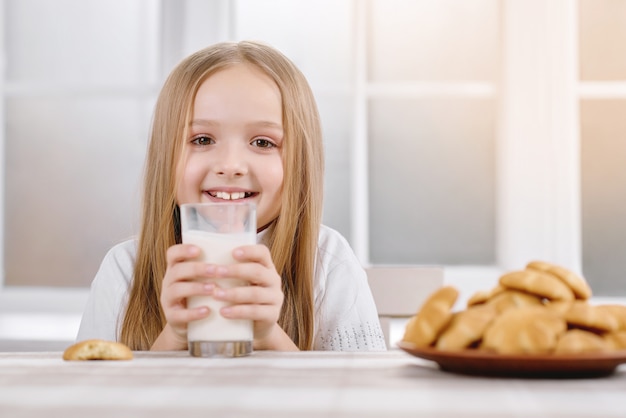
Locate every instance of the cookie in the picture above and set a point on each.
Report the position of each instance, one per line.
(577, 341)
(97, 350)
(511, 298)
(482, 296)
(618, 312)
(558, 306)
(478, 298)
(583, 315)
(537, 282)
(527, 330)
(579, 286)
(616, 340)
(424, 328)
(466, 327)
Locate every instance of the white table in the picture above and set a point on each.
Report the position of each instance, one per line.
(308, 384)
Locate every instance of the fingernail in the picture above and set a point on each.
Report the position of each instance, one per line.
(222, 270)
(210, 269)
(219, 293)
(238, 252)
(226, 311)
(209, 286)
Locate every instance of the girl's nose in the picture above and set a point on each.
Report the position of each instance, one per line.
(231, 163)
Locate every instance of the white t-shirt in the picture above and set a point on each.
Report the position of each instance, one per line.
(345, 314)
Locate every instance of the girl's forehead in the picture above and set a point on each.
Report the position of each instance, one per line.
(238, 90)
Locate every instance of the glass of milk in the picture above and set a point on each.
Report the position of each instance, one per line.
(217, 229)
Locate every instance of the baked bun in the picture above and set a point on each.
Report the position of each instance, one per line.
(482, 296)
(616, 340)
(511, 298)
(580, 341)
(578, 285)
(424, 328)
(618, 312)
(590, 317)
(97, 350)
(526, 330)
(559, 306)
(539, 283)
(466, 327)
(541, 310)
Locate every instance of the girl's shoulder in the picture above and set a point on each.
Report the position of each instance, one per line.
(334, 248)
(119, 261)
(123, 251)
(331, 237)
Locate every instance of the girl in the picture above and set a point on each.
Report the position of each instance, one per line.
(236, 121)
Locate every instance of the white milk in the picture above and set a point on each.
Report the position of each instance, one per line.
(217, 249)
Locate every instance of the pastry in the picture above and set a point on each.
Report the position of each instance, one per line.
(579, 341)
(537, 282)
(513, 299)
(466, 327)
(478, 298)
(618, 312)
(424, 328)
(526, 330)
(616, 340)
(483, 296)
(579, 286)
(97, 350)
(559, 306)
(583, 315)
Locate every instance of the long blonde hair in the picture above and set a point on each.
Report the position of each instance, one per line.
(293, 238)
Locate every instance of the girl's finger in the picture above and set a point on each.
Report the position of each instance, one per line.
(249, 295)
(253, 273)
(254, 253)
(189, 271)
(263, 313)
(184, 316)
(183, 290)
(181, 252)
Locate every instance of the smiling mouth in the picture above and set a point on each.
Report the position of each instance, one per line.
(231, 196)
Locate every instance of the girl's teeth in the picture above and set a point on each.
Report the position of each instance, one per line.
(230, 196)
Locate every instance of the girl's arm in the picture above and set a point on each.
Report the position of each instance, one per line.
(168, 341)
(276, 340)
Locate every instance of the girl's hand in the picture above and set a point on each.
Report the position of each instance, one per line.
(180, 282)
(261, 301)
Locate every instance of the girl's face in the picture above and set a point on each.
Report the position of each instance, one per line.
(234, 147)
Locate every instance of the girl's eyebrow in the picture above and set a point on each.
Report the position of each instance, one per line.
(262, 123)
(268, 124)
(202, 122)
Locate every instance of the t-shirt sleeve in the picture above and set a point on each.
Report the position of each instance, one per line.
(347, 319)
(108, 295)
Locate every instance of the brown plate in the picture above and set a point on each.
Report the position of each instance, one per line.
(481, 363)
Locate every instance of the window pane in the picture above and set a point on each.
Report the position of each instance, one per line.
(432, 186)
(72, 185)
(80, 41)
(316, 36)
(602, 39)
(336, 114)
(603, 150)
(433, 40)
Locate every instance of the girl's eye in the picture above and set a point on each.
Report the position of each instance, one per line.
(202, 140)
(263, 143)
